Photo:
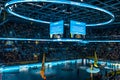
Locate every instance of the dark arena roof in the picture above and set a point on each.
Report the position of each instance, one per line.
(25, 36)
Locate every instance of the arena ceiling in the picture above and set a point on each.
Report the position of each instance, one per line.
(54, 12)
(47, 10)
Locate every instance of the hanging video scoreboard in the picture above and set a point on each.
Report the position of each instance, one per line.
(77, 27)
(56, 28)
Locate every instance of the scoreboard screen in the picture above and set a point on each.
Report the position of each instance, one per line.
(77, 27)
(57, 27)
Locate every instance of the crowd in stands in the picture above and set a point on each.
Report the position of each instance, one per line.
(35, 30)
(104, 33)
(30, 51)
(25, 30)
(27, 50)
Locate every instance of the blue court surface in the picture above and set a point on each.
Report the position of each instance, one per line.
(68, 70)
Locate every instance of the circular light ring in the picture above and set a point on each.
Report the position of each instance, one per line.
(95, 70)
(60, 40)
(59, 2)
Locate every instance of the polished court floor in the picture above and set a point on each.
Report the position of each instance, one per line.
(54, 73)
(63, 71)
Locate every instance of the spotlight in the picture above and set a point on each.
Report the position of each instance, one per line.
(16, 5)
(81, 0)
(57, 36)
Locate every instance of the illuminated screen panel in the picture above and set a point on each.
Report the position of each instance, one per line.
(56, 27)
(77, 27)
